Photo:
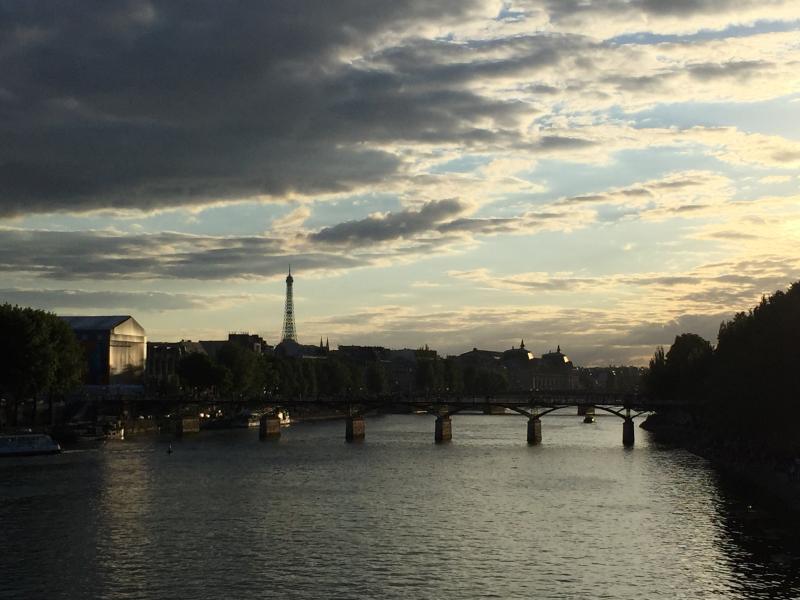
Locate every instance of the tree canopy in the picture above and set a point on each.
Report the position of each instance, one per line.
(39, 355)
(747, 386)
(683, 372)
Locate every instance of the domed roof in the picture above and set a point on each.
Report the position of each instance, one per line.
(557, 358)
(520, 354)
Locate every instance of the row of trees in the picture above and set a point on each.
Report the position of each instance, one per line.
(241, 372)
(747, 386)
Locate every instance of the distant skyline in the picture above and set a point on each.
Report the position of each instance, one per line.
(603, 175)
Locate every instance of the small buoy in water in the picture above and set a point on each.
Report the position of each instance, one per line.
(169, 450)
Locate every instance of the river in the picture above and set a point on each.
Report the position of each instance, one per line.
(310, 516)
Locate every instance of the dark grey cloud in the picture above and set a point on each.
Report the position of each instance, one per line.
(742, 69)
(731, 235)
(423, 62)
(687, 8)
(551, 284)
(105, 255)
(571, 10)
(65, 255)
(640, 83)
(101, 255)
(397, 225)
(55, 299)
(149, 104)
(489, 225)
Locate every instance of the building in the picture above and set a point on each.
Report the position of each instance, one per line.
(519, 366)
(480, 359)
(115, 347)
(163, 359)
(523, 370)
(291, 349)
(555, 371)
(250, 341)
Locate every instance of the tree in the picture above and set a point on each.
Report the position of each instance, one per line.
(747, 388)
(425, 376)
(656, 381)
(755, 372)
(197, 371)
(453, 381)
(683, 372)
(375, 378)
(308, 378)
(333, 377)
(289, 378)
(39, 355)
(469, 377)
(243, 365)
(688, 364)
(270, 375)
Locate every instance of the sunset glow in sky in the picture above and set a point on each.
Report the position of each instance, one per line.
(599, 174)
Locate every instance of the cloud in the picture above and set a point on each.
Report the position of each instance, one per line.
(102, 255)
(107, 110)
(391, 226)
(711, 288)
(129, 106)
(663, 197)
(615, 17)
(126, 302)
(405, 235)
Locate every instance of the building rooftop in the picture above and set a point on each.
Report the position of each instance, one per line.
(96, 323)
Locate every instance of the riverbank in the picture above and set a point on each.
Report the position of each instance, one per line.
(776, 480)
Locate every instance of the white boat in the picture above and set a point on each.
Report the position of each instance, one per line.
(27, 444)
(284, 417)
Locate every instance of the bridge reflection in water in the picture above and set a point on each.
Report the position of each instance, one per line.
(533, 405)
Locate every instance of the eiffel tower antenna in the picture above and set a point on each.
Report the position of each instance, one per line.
(289, 331)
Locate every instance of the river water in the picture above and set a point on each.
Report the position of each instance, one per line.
(310, 516)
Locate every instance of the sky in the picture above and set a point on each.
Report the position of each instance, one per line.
(596, 174)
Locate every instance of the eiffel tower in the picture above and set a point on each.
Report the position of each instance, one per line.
(289, 331)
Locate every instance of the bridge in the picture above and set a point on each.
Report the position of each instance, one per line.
(531, 404)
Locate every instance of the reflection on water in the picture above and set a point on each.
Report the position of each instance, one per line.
(395, 517)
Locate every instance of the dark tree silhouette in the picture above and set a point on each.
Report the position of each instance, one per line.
(246, 374)
(747, 388)
(683, 372)
(198, 372)
(375, 378)
(39, 355)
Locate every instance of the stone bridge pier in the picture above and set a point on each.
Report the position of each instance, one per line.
(444, 429)
(534, 431)
(627, 432)
(269, 427)
(355, 428)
